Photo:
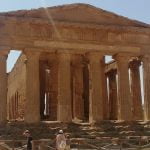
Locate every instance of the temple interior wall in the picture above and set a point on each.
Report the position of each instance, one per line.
(16, 89)
(48, 89)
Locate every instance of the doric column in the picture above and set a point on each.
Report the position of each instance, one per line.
(95, 87)
(105, 93)
(53, 88)
(86, 89)
(146, 76)
(113, 103)
(32, 106)
(64, 88)
(42, 74)
(3, 88)
(136, 90)
(124, 95)
(78, 101)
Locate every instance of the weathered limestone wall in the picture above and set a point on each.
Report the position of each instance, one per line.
(16, 89)
(3, 87)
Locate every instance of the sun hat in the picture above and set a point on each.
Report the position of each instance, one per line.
(26, 131)
(60, 132)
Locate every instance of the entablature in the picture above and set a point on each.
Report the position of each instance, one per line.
(33, 29)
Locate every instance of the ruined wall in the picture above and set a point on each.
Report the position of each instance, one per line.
(16, 89)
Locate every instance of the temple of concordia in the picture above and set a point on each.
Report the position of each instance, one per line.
(62, 74)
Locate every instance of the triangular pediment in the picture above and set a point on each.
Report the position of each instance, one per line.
(81, 13)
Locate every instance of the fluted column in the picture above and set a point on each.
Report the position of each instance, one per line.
(95, 87)
(42, 68)
(136, 90)
(32, 106)
(78, 101)
(113, 102)
(105, 93)
(64, 88)
(124, 95)
(53, 88)
(146, 76)
(3, 88)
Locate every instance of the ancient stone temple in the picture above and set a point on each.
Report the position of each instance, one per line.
(62, 74)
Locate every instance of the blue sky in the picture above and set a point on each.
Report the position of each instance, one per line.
(134, 9)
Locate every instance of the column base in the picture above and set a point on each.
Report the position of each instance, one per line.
(32, 120)
(96, 114)
(64, 113)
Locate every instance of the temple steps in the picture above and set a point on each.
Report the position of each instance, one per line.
(95, 135)
(48, 130)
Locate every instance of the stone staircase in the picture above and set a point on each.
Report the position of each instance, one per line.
(83, 135)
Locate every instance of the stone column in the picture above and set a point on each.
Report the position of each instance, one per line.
(64, 88)
(105, 93)
(42, 68)
(78, 101)
(136, 90)
(146, 76)
(95, 87)
(124, 95)
(32, 106)
(113, 103)
(53, 89)
(3, 88)
(86, 89)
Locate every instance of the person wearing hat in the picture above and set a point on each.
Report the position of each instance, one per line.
(60, 140)
(27, 134)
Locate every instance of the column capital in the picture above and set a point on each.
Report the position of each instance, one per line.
(64, 53)
(77, 60)
(64, 56)
(31, 54)
(95, 56)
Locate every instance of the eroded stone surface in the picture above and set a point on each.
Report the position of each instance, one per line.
(61, 74)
